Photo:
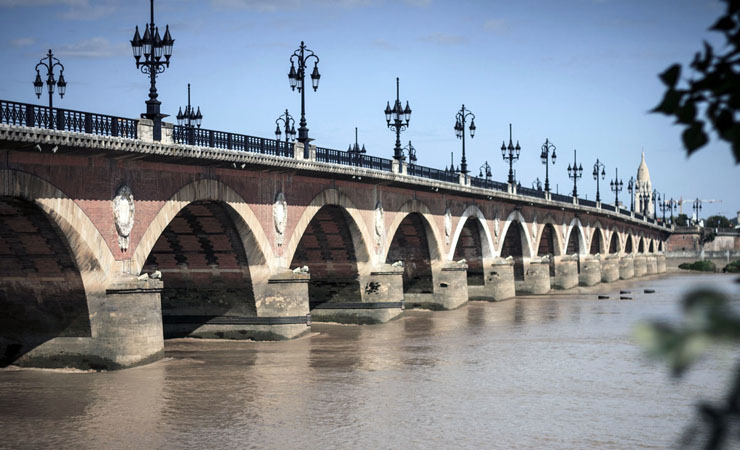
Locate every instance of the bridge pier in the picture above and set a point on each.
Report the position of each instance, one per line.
(590, 271)
(499, 281)
(660, 263)
(640, 265)
(536, 276)
(566, 272)
(610, 269)
(382, 300)
(626, 267)
(125, 331)
(651, 266)
(450, 289)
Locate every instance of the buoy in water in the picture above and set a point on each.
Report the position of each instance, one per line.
(625, 298)
(624, 292)
(650, 291)
(603, 297)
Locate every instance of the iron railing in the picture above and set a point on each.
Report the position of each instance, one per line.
(584, 202)
(24, 114)
(561, 198)
(488, 184)
(434, 174)
(626, 212)
(231, 141)
(639, 216)
(530, 192)
(608, 207)
(329, 155)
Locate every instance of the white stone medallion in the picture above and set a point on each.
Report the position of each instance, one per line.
(123, 215)
(448, 225)
(280, 217)
(379, 227)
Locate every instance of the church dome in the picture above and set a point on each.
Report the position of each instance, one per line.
(643, 174)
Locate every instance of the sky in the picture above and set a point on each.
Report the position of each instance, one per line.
(581, 73)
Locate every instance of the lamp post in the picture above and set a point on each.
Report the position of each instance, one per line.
(574, 173)
(355, 152)
(411, 151)
(548, 153)
(397, 119)
(672, 205)
(189, 119)
(537, 184)
(665, 204)
(656, 200)
(598, 165)
(513, 155)
(297, 77)
(289, 124)
(631, 190)
(697, 208)
(485, 172)
(616, 187)
(460, 119)
(51, 82)
(153, 47)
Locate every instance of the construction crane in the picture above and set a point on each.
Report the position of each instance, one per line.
(679, 202)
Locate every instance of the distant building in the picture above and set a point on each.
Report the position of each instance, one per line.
(644, 187)
(735, 223)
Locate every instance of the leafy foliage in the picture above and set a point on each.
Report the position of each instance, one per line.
(682, 220)
(733, 267)
(703, 266)
(717, 222)
(713, 94)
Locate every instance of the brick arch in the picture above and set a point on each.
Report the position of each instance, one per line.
(516, 216)
(630, 246)
(486, 240)
(256, 244)
(433, 235)
(641, 247)
(576, 223)
(558, 242)
(358, 231)
(615, 243)
(599, 235)
(88, 248)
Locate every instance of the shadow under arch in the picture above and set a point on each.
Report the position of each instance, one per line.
(472, 242)
(548, 244)
(614, 244)
(415, 242)
(576, 240)
(598, 240)
(256, 244)
(48, 271)
(629, 245)
(641, 245)
(515, 243)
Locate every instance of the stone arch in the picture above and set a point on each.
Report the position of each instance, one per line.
(641, 245)
(361, 237)
(629, 244)
(90, 251)
(615, 245)
(256, 244)
(570, 243)
(550, 224)
(598, 240)
(651, 247)
(415, 242)
(486, 239)
(514, 242)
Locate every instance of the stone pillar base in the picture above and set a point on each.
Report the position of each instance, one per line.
(566, 273)
(626, 267)
(237, 327)
(640, 265)
(357, 312)
(660, 263)
(450, 289)
(651, 266)
(610, 269)
(537, 277)
(590, 272)
(499, 279)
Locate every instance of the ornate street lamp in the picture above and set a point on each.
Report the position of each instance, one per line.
(574, 173)
(154, 48)
(547, 154)
(397, 119)
(485, 172)
(189, 119)
(460, 119)
(355, 151)
(631, 187)
(537, 184)
(665, 205)
(616, 187)
(411, 151)
(512, 156)
(697, 208)
(672, 205)
(598, 165)
(297, 77)
(51, 82)
(289, 124)
(656, 200)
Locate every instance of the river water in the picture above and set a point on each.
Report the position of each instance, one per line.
(556, 372)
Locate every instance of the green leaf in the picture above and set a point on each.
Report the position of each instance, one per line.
(670, 76)
(687, 113)
(694, 137)
(669, 105)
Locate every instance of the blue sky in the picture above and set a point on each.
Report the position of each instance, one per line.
(582, 73)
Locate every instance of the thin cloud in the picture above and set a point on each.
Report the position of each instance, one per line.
(384, 44)
(22, 42)
(96, 47)
(444, 39)
(496, 25)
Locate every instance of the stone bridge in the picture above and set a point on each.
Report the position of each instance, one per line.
(111, 244)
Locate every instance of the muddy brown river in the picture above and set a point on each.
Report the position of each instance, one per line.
(555, 372)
